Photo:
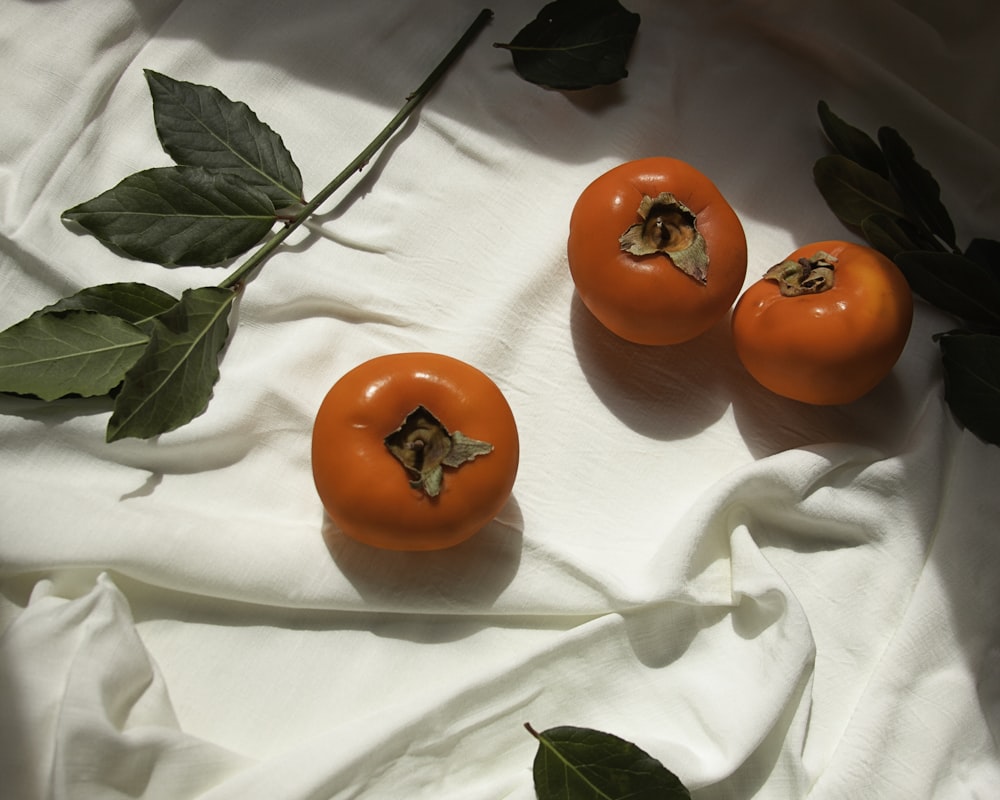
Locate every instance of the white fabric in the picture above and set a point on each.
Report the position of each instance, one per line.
(776, 601)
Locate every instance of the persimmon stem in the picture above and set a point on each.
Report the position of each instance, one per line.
(240, 275)
(424, 447)
(668, 226)
(810, 275)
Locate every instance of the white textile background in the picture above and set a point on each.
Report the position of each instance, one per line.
(776, 601)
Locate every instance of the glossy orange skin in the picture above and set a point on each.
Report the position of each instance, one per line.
(364, 488)
(832, 347)
(646, 299)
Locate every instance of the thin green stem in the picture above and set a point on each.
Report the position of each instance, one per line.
(412, 101)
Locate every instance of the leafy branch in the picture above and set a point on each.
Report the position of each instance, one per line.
(879, 190)
(233, 180)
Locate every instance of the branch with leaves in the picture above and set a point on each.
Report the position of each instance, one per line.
(158, 355)
(232, 182)
(880, 191)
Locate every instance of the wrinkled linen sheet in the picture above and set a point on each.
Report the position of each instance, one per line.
(776, 601)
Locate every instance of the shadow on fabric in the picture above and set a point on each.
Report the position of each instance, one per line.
(466, 578)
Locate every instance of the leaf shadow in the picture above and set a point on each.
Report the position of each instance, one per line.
(146, 489)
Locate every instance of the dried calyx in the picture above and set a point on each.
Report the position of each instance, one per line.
(668, 226)
(806, 276)
(424, 447)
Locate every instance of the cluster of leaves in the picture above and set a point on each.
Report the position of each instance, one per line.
(158, 354)
(881, 192)
(583, 764)
(233, 180)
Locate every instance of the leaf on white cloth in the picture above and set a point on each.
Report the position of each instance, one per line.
(172, 382)
(200, 126)
(70, 353)
(178, 216)
(581, 763)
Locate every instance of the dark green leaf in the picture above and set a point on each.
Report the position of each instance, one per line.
(972, 382)
(584, 764)
(955, 284)
(71, 352)
(851, 142)
(178, 216)
(133, 302)
(853, 192)
(199, 126)
(575, 44)
(887, 235)
(172, 381)
(986, 253)
(916, 185)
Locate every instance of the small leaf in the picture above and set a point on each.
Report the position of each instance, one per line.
(199, 126)
(972, 382)
(851, 142)
(853, 192)
(68, 353)
(133, 302)
(172, 381)
(575, 44)
(955, 284)
(916, 185)
(178, 216)
(583, 764)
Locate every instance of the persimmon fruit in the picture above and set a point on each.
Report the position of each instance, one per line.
(656, 252)
(414, 451)
(826, 325)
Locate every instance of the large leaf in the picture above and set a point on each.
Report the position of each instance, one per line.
(583, 764)
(955, 284)
(68, 353)
(917, 185)
(199, 126)
(575, 44)
(853, 192)
(178, 216)
(172, 381)
(972, 382)
(851, 142)
(133, 302)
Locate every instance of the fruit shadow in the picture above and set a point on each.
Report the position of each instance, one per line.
(770, 424)
(463, 579)
(664, 392)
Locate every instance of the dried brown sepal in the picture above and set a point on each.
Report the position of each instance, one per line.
(668, 227)
(806, 276)
(424, 447)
